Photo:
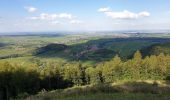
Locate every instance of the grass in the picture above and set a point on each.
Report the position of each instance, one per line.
(132, 90)
(113, 96)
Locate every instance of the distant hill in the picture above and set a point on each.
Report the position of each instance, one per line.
(75, 52)
(2, 44)
(156, 49)
(51, 48)
(105, 49)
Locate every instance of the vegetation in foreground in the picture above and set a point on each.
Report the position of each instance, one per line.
(141, 90)
(111, 96)
(16, 80)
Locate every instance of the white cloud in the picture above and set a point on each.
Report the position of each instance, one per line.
(32, 18)
(64, 18)
(65, 15)
(124, 14)
(107, 9)
(31, 9)
(144, 14)
(46, 16)
(76, 21)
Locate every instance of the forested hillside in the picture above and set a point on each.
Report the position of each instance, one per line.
(16, 79)
(102, 49)
(156, 49)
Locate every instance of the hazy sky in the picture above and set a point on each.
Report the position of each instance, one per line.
(83, 15)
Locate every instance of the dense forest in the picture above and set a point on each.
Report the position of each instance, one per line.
(18, 80)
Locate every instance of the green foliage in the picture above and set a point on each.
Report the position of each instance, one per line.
(111, 70)
(73, 73)
(16, 79)
(156, 49)
(92, 75)
(52, 76)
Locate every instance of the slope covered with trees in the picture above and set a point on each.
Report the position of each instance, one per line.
(156, 49)
(102, 49)
(16, 79)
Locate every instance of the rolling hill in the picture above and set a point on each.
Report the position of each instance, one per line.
(105, 49)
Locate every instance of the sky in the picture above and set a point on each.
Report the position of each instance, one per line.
(83, 15)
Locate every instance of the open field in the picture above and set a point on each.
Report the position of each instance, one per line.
(86, 48)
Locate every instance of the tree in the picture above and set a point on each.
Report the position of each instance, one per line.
(73, 73)
(111, 70)
(51, 76)
(6, 72)
(136, 64)
(137, 56)
(92, 76)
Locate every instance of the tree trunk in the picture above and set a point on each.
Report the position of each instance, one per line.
(5, 95)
